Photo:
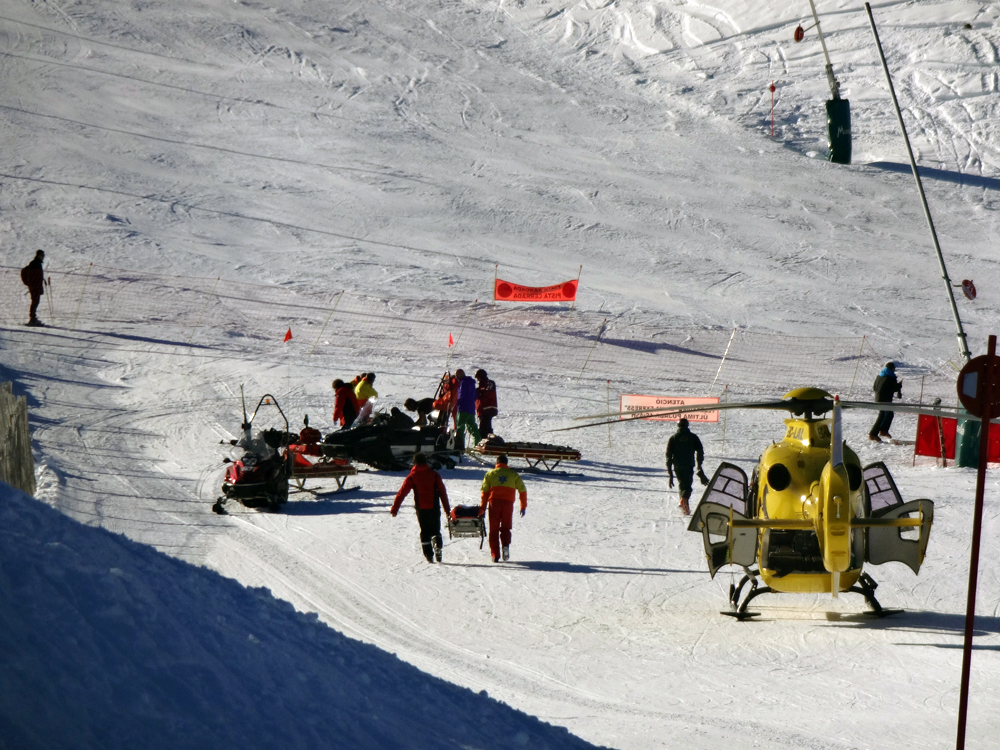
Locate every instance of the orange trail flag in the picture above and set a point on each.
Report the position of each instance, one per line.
(288, 336)
(508, 291)
(451, 341)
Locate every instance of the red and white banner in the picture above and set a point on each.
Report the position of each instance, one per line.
(507, 291)
(635, 405)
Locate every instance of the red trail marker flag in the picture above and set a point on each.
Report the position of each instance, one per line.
(508, 291)
(451, 341)
(288, 336)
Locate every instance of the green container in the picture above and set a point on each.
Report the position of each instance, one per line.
(967, 442)
(838, 126)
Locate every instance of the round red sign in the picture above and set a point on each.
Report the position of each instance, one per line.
(972, 386)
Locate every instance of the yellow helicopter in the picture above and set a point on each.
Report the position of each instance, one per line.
(810, 516)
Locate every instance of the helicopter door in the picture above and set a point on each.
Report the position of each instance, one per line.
(892, 543)
(727, 489)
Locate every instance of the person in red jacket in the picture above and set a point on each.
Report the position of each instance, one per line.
(345, 405)
(499, 488)
(429, 495)
(486, 402)
(33, 277)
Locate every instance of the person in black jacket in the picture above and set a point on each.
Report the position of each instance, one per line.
(885, 385)
(683, 451)
(33, 277)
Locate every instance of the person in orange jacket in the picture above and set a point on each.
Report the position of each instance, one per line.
(429, 495)
(499, 488)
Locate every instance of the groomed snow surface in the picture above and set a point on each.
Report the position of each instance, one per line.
(204, 176)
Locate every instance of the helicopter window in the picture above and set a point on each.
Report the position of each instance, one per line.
(880, 490)
(718, 528)
(728, 487)
(778, 477)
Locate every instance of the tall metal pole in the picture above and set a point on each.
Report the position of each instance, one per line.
(963, 343)
(834, 83)
(977, 529)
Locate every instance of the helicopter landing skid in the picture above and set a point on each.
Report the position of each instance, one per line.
(865, 586)
(739, 611)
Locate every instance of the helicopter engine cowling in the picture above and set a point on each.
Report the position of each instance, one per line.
(833, 521)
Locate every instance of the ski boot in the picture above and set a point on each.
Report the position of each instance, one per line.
(506, 552)
(685, 508)
(436, 543)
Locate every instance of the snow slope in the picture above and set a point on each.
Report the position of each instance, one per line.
(405, 152)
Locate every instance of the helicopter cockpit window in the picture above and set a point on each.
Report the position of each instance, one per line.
(728, 487)
(880, 490)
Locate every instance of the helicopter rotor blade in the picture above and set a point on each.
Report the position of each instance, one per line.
(668, 410)
(632, 416)
(901, 408)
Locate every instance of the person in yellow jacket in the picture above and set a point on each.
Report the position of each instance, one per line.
(365, 394)
(500, 485)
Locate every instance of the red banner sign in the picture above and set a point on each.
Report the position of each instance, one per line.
(929, 438)
(507, 291)
(637, 405)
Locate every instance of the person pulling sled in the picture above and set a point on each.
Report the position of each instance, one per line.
(429, 495)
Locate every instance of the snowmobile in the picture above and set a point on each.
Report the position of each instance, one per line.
(388, 442)
(259, 479)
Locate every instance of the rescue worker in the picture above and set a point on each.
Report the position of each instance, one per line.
(429, 495)
(446, 400)
(684, 452)
(365, 389)
(345, 405)
(885, 385)
(33, 276)
(422, 407)
(499, 488)
(466, 407)
(486, 403)
(366, 395)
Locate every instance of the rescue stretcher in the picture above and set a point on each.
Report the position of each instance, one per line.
(465, 522)
(324, 467)
(535, 454)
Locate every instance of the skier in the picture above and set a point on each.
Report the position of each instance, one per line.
(499, 487)
(885, 385)
(33, 277)
(345, 405)
(429, 495)
(683, 449)
(486, 402)
(466, 420)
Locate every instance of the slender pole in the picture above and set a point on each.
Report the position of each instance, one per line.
(963, 344)
(834, 84)
(578, 274)
(857, 362)
(597, 339)
(977, 528)
(321, 330)
(772, 108)
(723, 362)
(80, 301)
(496, 271)
(451, 349)
(609, 411)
